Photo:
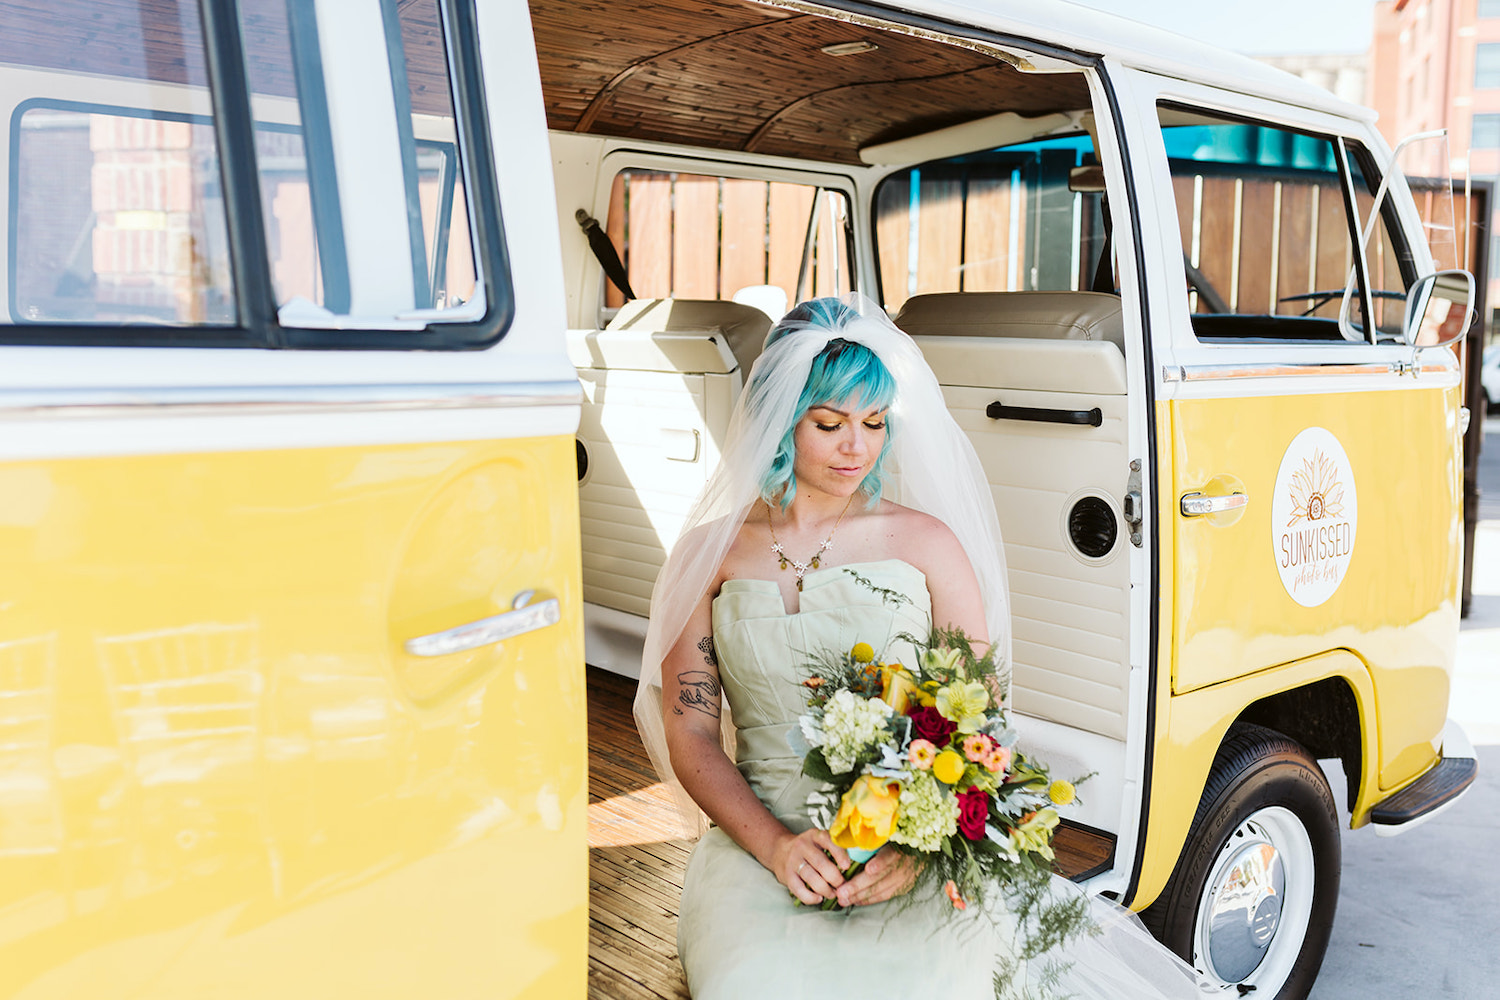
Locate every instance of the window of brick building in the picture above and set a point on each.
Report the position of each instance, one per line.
(1486, 133)
(1487, 65)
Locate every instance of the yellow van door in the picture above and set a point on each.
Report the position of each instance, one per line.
(1314, 501)
(291, 679)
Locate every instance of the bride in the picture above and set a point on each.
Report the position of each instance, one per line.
(843, 475)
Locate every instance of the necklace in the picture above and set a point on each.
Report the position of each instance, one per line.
(800, 568)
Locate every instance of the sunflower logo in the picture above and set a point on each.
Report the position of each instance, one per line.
(1316, 490)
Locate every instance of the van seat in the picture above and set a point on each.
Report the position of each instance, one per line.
(742, 327)
(1093, 316)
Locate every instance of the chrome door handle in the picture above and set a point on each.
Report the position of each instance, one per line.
(1198, 504)
(529, 611)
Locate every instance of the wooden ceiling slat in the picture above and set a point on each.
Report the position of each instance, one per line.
(728, 74)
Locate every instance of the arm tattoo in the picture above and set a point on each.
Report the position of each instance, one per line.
(700, 691)
(706, 647)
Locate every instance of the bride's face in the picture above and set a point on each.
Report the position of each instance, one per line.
(837, 445)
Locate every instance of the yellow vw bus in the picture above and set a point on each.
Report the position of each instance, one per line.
(291, 660)
(359, 360)
(1189, 313)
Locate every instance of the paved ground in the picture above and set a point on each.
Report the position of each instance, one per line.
(1417, 913)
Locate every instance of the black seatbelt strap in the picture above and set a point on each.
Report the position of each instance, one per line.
(604, 251)
(1104, 271)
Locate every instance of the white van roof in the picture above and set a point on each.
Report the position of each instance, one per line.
(798, 79)
(1143, 46)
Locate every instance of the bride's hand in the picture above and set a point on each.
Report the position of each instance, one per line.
(887, 875)
(811, 865)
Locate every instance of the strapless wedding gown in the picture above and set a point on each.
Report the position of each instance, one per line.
(739, 932)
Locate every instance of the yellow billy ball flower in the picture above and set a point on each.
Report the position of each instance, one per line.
(1061, 792)
(949, 766)
(862, 652)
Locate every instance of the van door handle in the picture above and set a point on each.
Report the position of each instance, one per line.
(1198, 504)
(1087, 418)
(530, 611)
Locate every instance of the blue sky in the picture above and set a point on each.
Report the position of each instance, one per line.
(1257, 27)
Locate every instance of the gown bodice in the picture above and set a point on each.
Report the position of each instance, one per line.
(763, 652)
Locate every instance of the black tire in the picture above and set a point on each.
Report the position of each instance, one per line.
(1274, 910)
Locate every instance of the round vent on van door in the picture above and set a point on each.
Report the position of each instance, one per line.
(1092, 527)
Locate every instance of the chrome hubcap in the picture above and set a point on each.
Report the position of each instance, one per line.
(1255, 906)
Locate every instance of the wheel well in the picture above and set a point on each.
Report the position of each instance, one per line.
(1324, 718)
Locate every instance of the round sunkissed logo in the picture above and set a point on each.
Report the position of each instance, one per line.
(1313, 517)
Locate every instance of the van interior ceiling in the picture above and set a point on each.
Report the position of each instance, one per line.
(804, 85)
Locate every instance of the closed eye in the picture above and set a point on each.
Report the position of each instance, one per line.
(878, 425)
(826, 427)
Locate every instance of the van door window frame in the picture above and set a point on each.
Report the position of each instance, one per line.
(616, 161)
(256, 322)
(1353, 224)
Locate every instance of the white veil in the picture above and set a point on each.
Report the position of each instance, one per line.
(931, 467)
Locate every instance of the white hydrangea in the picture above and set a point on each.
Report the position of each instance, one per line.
(928, 813)
(851, 725)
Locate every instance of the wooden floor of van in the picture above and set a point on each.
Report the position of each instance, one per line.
(636, 864)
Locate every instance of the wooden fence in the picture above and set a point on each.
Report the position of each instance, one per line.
(1265, 243)
(699, 236)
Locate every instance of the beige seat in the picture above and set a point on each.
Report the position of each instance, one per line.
(743, 327)
(1093, 316)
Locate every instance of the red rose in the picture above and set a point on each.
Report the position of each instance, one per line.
(973, 810)
(927, 723)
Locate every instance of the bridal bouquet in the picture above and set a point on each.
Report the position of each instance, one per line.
(922, 756)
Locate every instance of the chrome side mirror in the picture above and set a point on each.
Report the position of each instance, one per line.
(1439, 309)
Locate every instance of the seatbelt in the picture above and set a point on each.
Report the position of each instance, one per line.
(1104, 271)
(604, 251)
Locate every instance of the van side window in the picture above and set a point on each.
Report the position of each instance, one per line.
(1017, 218)
(1388, 256)
(701, 236)
(118, 211)
(1268, 244)
(366, 236)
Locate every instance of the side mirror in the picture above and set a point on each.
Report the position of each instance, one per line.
(1439, 309)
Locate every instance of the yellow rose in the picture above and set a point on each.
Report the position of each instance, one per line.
(862, 652)
(867, 813)
(898, 688)
(1061, 792)
(949, 766)
(964, 702)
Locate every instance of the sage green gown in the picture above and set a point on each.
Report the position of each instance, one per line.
(739, 932)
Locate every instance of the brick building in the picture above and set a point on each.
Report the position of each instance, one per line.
(1436, 64)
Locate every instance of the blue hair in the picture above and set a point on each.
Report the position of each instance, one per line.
(843, 372)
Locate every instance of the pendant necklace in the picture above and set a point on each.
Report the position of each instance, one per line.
(800, 568)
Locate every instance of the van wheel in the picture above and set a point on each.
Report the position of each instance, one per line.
(1251, 900)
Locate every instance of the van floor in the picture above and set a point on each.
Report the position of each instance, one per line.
(636, 862)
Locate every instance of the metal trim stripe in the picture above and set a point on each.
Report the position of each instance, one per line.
(1205, 373)
(223, 401)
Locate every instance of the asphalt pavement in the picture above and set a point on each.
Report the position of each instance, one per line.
(1418, 914)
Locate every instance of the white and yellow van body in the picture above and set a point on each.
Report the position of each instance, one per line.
(240, 753)
(326, 448)
(1229, 491)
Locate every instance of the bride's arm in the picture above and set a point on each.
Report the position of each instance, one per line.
(692, 701)
(956, 600)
